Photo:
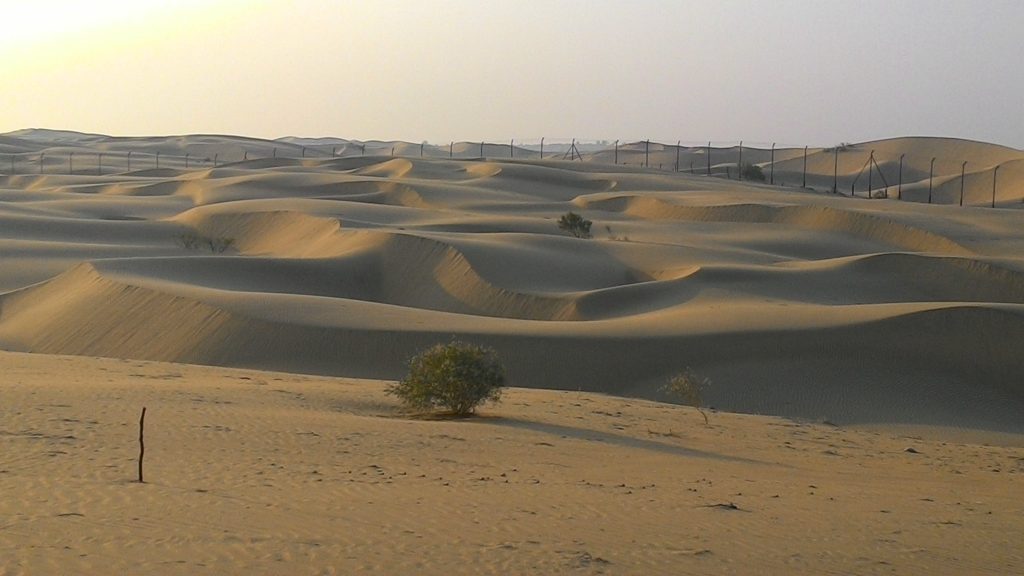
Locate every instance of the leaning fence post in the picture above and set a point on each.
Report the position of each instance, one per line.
(871, 162)
(931, 171)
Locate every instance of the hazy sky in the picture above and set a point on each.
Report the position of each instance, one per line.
(792, 71)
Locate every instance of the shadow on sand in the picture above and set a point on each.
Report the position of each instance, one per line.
(615, 439)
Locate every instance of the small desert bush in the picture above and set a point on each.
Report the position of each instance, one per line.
(193, 241)
(687, 388)
(457, 377)
(753, 172)
(575, 224)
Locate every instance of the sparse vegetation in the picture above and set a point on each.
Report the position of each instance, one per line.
(687, 388)
(456, 376)
(193, 241)
(753, 172)
(575, 224)
(842, 147)
(616, 237)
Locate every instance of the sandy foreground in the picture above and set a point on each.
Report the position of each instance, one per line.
(270, 473)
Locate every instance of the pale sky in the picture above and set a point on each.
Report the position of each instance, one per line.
(796, 72)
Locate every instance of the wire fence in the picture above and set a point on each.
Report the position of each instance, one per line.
(846, 169)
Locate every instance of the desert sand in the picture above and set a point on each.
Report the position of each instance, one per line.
(857, 328)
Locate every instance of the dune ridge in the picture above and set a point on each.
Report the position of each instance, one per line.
(794, 302)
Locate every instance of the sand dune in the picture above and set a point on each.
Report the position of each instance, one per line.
(795, 303)
(894, 325)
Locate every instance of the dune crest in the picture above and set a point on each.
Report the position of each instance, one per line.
(794, 302)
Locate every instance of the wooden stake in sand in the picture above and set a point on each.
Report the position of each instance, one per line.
(142, 442)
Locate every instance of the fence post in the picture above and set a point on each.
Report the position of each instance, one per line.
(678, 142)
(647, 155)
(71, 165)
(41, 156)
(835, 173)
(451, 148)
(304, 152)
(995, 174)
(739, 165)
(709, 157)
(931, 171)
(616, 152)
(187, 155)
(871, 163)
(511, 148)
(805, 167)
(481, 150)
(771, 179)
(215, 158)
(899, 189)
(542, 148)
(963, 170)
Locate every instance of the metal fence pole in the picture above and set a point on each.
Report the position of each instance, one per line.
(899, 189)
(771, 179)
(963, 171)
(835, 173)
(871, 162)
(995, 174)
(805, 167)
(931, 172)
(739, 164)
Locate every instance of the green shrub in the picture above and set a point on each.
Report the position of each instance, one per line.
(193, 241)
(687, 388)
(753, 172)
(575, 224)
(457, 377)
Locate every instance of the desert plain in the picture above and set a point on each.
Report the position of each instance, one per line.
(866, 402)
